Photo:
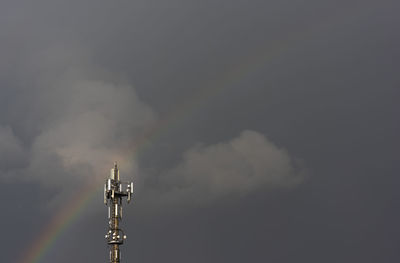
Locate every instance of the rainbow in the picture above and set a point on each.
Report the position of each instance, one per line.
(59, 223)
(75, 207)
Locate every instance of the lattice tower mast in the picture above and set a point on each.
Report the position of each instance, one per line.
(114, 192)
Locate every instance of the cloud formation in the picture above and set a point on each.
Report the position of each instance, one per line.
(247, 163)
(81, 117)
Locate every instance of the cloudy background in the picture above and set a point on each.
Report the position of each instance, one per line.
(256, 131)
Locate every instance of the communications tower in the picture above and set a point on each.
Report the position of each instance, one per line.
(114, 192)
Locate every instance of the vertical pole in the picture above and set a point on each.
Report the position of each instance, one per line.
(115, 230)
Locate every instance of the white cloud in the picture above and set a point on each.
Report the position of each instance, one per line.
(93, 127)
(245, 164)
(82, 117)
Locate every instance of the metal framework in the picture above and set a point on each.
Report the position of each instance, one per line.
(114, 192)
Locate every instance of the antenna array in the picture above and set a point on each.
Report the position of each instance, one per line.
(114, 192)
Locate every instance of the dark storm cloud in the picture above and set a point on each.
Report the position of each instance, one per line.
(70, 112)
(80, 79)
(84, 118)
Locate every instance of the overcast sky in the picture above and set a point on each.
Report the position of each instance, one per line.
(255, 131)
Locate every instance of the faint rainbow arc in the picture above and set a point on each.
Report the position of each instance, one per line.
(66, 216)
(62, 220)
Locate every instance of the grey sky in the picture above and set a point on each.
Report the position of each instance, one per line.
(282, 145)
